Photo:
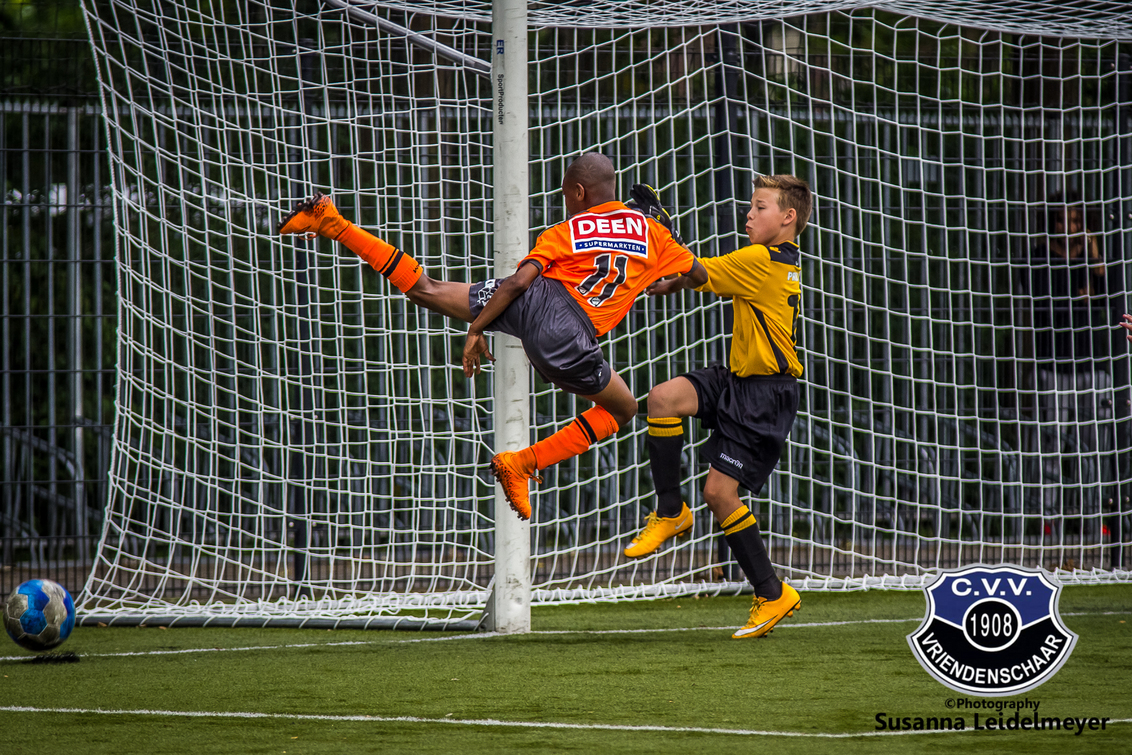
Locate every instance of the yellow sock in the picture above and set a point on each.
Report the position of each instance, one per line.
(740, 519)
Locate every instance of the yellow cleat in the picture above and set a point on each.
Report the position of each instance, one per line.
(513, 479)
(765, 614)
(316, 216)
(657, 530)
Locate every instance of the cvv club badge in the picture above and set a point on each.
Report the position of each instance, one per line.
(992, 630)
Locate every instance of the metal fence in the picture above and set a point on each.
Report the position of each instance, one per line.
(58, 292)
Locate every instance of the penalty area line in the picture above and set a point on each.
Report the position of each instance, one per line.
(489, 722)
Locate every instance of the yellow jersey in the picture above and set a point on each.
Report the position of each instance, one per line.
(765, 286)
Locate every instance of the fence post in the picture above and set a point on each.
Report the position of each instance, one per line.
(75, 312)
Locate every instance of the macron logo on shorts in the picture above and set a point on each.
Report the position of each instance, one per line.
(618, 231)
(729, 460)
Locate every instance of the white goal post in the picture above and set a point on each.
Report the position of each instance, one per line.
(295, 443)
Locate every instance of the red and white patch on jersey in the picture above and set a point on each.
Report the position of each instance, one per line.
(623, 231)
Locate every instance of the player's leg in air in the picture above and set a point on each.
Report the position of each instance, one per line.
(668, 404)
(614, 407)
(317, 216)
(550, 339)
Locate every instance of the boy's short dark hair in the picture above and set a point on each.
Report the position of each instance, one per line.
(793, 194)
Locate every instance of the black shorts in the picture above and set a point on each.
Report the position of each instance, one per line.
(557, 335)
(750, 418)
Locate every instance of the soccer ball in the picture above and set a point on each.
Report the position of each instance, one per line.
(39, 615)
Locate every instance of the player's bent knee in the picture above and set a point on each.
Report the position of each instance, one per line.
(672, 398)
(659, 401)
(713, 498)
(721, 495)
(421, 290)
(623, 416)
(626, 410)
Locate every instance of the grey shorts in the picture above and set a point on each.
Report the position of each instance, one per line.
(557, 335)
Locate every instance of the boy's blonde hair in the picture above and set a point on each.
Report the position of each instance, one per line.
(793, 194)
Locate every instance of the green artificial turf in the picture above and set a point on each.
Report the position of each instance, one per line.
(828, 671)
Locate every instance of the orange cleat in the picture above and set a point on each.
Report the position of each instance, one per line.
(316, 216)
(513, 478)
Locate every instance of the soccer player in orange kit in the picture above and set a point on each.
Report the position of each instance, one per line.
(578, 282)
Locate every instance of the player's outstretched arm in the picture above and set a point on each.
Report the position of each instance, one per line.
(509, 290)
(694, 278)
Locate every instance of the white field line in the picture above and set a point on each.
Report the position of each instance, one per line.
(456, 637)
(477, 722)
(488, 722)
(487, 635)
(450, 638)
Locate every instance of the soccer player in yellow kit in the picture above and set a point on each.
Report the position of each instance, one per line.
(578, 282)
(750, 407)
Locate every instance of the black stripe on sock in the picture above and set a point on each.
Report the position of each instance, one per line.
(745, 521)
(587, 429)
(393, 262)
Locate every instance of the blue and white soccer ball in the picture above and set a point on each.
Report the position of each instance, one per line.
(39, 614)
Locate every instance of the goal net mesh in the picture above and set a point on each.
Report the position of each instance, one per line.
(296, 442)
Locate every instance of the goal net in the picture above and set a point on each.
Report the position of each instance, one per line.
(296, 443)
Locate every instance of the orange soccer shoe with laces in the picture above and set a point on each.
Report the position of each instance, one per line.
(315, 216)
(513, 476)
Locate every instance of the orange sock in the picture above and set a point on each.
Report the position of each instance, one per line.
(590, 427)
(401, 269)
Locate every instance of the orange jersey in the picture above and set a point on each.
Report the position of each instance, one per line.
(606, 256)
